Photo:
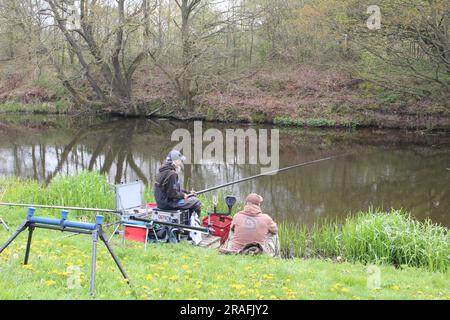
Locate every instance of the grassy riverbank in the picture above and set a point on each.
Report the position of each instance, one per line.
(186, 272)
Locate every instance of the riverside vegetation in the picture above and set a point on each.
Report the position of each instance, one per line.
(413, 256)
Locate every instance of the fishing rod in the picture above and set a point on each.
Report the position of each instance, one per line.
(59, 207)
(170, 224)
(120, 212)
(269, 173)
(131, 217)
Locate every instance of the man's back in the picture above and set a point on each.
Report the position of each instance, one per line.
(251, 225)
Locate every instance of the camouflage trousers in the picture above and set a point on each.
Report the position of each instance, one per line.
(271, 246)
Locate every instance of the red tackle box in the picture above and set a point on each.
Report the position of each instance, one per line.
(221, 224)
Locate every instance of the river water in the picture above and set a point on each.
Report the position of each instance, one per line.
(386, 168)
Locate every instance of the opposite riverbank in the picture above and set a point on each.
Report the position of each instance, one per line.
(304, 97)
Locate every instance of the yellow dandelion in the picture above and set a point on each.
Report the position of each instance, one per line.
(50, 283)
(345, 290)
(395, 288)
(173, 278)
(237, 286)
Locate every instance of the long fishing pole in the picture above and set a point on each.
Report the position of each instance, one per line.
(198, 192)
(269, 173)
(59, 207)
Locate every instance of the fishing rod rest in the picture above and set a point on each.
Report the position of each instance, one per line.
(94, 229)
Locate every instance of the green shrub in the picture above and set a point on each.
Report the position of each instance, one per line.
(397, 239)
(298, 122)
(375, 237)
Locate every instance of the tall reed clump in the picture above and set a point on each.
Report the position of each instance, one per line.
(395, 238)
(373, 237)
(86, 189)
(293, 240)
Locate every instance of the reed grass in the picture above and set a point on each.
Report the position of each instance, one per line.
(87, 189)
(294, 240)
(373, 237)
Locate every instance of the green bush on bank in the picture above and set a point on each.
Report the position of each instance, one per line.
(315, 122)
(57, 107)
(374, 237)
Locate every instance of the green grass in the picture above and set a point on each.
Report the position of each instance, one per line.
(297, 122)
(58, 107)
(316, 122)
(87, 189)
(373, 237)
(184, 272)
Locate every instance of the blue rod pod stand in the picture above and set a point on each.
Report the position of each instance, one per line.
(64, 215)
(30, 213)
(99, 220)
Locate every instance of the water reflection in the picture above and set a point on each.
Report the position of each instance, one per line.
(387, 169)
